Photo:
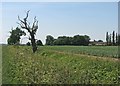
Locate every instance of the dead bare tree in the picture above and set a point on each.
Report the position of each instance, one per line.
(24, 24)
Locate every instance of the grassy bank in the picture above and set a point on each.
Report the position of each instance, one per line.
(63, 64)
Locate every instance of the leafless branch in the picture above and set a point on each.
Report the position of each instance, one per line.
(20, 20)
(24, 24)
(21, 25)
(34, 22)
(26, 15)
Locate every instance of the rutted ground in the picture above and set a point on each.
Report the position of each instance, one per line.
(48, 65)
(89, 56)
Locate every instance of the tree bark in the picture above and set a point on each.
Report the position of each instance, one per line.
(33, 41)
(31, 30)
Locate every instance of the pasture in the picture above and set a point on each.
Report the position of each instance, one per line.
(60, 65)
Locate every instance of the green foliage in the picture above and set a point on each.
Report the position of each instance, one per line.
(100, 40)
(39, 43)
(64, 40)
(81, 40)
(49, 40)
(28, 44)
(57, 65)
(15, 36)
(107, 38)
(112, 39)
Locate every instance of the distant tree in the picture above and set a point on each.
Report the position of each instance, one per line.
(10, 42)
(57, 42)
(113, 38)
(15, 36)
(81, 40)
(116, 39)
(67, 41)
(95, 41)
(24, 24)
(28, 44)
(76, 40)
(39, 43)
(49, 40)
(100, 40)
(107, 38)
(64, 40)
(87, 40)
(71, 40)
(110, 39)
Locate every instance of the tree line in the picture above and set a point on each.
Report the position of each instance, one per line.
(65, 40)
(15, 36)
(112, 38)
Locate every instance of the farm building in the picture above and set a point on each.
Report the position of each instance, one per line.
(97, 43)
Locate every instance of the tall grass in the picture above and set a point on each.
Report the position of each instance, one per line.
(46, 66)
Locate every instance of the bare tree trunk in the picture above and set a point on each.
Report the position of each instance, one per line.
(33, 41)
(31, 30)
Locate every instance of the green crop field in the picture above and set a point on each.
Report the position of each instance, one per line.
(102, 51)
(60, 65)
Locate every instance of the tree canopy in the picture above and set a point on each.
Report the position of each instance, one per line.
(39, 43)
(15, 36)
(49, 40)
(64, 40)
(112, 38)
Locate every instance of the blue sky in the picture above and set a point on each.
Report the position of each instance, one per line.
(63, 18)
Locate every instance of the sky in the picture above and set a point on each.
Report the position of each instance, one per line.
(62, 18)
(59, 0)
